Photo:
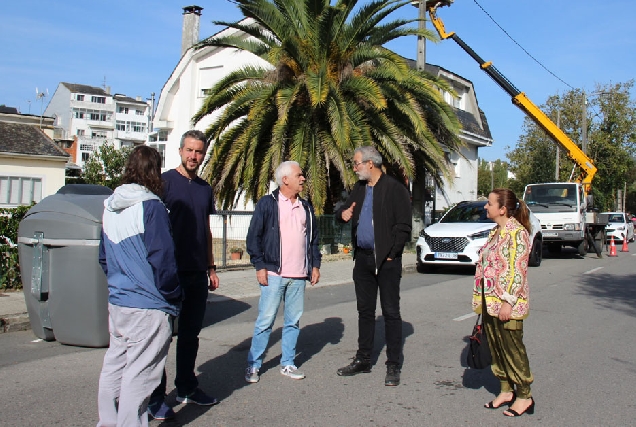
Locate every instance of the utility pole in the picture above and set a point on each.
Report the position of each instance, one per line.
(492, 176)
(420, 64)
(584, 125)
(421, 41)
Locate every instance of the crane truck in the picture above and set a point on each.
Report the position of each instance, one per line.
(563, 208)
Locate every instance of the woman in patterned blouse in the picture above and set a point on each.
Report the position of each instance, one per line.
(502, 271)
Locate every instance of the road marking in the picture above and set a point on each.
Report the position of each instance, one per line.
(38, 340)
(593, 270)
(464, 317)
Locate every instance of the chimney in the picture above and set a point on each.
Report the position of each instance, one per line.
(107, 90)
(138, 98)
(190, 31)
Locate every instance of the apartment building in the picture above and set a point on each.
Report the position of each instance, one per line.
(91, 117)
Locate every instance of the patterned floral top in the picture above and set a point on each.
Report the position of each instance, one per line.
(503, 268)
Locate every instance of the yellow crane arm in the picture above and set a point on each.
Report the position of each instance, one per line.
(588, 170)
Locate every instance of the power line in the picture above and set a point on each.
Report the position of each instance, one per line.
(521, 47)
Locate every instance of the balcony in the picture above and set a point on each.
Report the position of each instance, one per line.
(93, 105)
(163, 124)
(133, 136)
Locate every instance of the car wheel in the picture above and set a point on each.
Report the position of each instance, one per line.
(536, 253)
(554, 248)
(582, 248)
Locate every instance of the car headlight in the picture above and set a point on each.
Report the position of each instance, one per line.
(622, 227)
(571, 227)
(480, 235)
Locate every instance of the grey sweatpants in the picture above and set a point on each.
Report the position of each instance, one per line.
(133, 364)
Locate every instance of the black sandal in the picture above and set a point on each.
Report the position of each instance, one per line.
(529, 410)
(490, 404)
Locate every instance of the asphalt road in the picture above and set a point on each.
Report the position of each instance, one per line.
(579, 337)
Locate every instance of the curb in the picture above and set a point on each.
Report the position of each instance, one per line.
(15, 322)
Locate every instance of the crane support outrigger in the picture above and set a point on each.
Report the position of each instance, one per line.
(574, 230)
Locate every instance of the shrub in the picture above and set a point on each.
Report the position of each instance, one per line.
(9, 263)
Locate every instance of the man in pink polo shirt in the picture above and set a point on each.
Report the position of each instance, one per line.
(282, 242)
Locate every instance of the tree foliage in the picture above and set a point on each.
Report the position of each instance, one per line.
(611, 137)
(488, 178)
(328, 86)
(106, 166)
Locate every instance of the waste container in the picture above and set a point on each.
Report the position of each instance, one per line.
(65, 289)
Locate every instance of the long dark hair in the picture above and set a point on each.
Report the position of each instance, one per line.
(144, 168)
(514, 206)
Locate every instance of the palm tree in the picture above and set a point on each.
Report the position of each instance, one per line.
(330, 87)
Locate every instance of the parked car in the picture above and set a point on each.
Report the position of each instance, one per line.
(460, 233)
(619, 226)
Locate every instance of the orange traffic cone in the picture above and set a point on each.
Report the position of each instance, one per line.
(612, 248)
(624, 248)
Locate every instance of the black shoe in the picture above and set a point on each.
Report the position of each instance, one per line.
(392, 375)
(355, 367)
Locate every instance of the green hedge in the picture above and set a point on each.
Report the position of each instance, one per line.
(9, 264)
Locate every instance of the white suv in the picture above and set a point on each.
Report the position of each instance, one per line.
(619, 226)
(461, 232)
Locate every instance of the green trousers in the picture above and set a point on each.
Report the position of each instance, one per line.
(509, 357)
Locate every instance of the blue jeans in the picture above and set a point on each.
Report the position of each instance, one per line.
(292, 292)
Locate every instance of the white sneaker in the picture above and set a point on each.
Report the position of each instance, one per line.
(292, 372)
(251, 375)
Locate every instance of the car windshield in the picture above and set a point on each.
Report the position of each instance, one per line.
(616, 218)
(467, 212)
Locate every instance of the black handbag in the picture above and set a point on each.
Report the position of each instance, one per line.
(478, 356)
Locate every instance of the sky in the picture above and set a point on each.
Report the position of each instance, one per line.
(133, 47)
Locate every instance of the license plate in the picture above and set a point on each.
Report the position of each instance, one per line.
(446, 255)
(550, 234)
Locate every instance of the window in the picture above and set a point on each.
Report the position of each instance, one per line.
(98, 134)
(139, 112)
(98, 99)
(120, 125)
(161, 148)
(123, 110)
(138, 127)
(79, 97)
(16, 190)
(206, 92)
(79, 113)
(80, 132)
(85, 156)
(86, 147)
(163, 135)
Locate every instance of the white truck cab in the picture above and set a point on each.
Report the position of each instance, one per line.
(561, 208)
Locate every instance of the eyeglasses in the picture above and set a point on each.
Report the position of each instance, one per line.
(357, 164)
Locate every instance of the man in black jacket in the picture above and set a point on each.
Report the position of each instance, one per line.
(380, 207)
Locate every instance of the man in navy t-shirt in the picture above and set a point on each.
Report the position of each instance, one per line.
(190, 203)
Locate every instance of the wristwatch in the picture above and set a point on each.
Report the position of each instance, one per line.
(212, 267)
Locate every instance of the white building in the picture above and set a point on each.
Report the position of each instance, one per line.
(198, 70)
(92, 116)
(32, 166)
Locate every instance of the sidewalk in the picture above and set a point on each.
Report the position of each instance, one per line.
(235, 285)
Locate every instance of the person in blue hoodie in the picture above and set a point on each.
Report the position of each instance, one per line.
(137, 255)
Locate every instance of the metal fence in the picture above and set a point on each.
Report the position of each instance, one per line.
(229, 232)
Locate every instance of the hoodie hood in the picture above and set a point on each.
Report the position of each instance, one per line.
(127, 195)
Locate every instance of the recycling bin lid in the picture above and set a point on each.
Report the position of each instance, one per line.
(85, 189)
(86, 206)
